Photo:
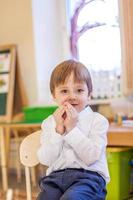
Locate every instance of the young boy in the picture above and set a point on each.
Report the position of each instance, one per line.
(73, 139)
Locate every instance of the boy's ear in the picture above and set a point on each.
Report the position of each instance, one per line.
(89, 97)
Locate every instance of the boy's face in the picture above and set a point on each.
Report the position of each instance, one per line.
(72, 92)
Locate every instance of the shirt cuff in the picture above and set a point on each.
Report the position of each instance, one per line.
(74, 137)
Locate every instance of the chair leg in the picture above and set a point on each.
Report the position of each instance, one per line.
(9, 194)
(3, 160)
(28, 183)
(33, 176)
(18, 164)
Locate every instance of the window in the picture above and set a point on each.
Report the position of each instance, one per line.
(95, 41)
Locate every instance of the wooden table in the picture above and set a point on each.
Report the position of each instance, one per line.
(120, 136)
(11, 126)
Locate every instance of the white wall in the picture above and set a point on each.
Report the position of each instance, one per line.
(16, 27)
(51, 42)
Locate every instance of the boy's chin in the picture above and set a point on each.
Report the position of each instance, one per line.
(79, 109)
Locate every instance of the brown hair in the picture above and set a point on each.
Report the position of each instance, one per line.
(62, 72)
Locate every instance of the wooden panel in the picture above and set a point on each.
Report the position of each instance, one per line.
(126, 28)
(120, 136)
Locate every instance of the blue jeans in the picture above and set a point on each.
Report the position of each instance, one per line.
(72, 184)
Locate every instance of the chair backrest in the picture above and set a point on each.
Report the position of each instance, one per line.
(28, 149)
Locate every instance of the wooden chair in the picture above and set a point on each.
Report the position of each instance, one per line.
(28, 157)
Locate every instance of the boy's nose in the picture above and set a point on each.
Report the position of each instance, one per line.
(72, 96)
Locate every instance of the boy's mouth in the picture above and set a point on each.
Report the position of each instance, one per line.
(74, 104)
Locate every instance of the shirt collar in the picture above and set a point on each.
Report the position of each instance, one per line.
(87, 110)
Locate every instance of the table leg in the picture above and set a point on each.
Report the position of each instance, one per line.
(3, 159)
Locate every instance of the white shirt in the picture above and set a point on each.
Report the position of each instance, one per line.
(83, 147)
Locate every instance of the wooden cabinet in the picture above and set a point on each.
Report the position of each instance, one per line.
(126, 29)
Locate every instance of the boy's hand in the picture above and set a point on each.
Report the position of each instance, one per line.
(58, 116)
(71, 117)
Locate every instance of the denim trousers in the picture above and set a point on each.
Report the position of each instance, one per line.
(72, 184)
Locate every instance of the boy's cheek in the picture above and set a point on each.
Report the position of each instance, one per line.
(64, 102)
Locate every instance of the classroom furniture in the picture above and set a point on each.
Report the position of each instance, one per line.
(12, 99)
(28, 157)
(118, 159)
(7, 81)
(119, 135)
(27, 127)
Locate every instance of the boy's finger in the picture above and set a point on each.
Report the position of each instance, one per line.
(68, 112)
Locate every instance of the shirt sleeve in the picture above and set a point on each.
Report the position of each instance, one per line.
(51, 143)
(89, 147)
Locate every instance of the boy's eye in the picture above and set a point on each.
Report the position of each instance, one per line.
(64, 91)
(80, 90)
